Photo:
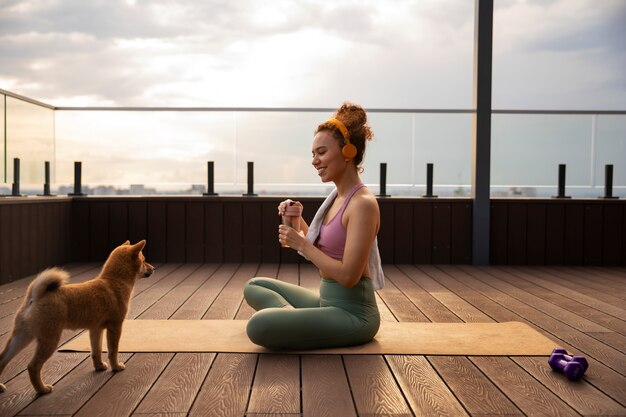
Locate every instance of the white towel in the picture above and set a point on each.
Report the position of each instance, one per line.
(375, 266)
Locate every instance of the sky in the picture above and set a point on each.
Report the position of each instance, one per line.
(548, 54)
(391, 54)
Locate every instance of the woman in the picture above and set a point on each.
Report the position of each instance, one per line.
(341, 242)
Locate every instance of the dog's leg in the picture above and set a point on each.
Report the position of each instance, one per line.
(16, 343)
(45, 348)
(95, 335)
(113, 341)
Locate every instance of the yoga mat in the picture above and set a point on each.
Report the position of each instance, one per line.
(467, 339)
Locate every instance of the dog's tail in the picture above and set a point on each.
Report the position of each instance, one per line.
(47, 281)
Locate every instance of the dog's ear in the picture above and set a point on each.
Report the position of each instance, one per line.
(126, 243)
(137, 247)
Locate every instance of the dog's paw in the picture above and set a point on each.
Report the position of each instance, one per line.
(47, 389)
(101, 367)
(3, 388)
(119, 367)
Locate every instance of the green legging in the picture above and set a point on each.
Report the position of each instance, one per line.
(339, 316)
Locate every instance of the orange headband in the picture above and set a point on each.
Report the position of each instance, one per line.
(341, 127)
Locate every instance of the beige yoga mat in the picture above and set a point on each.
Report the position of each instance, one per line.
(490, 339)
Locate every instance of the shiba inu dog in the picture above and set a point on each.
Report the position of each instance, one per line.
(51, 305)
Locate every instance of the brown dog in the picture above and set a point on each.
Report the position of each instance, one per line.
(52, 305)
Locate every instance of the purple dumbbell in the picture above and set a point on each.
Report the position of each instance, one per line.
(573, 367)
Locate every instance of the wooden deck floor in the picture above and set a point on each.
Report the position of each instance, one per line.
(582, 309)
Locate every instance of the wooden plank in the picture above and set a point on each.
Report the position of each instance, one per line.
(441, 233)
(530, 396)
(574, 234)
(175, 231)
(422, 233)
(25, 239)
(325, 389)
(582, 397)
(461, 242)
(498, 233)
(426, 392)
(374, 388)
(176, 389)
(478, 394)
(398, 294)
(276, 386)
(125, 389)
(403, 233)
(225, 391)
(194, 232)
(516, 234)
(536, 234)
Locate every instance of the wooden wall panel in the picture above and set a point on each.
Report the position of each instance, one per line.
(591, 239)
(461, 233)
(573, 248)
(498, 230)
(175, 225)
(441, 233)
(422, 233)
(194, 232)
(138, 224)
(81, 231)
(213, 232)
(99, 247)
(612, 226)
(403, 233)
(555, 234)
(386, 232)
(517, 234)
(536, 234)
(269, 232)
(118, 224)
(252, 232)
(233, 232)
(157, 232)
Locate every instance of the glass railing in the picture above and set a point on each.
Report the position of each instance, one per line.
(165, 151)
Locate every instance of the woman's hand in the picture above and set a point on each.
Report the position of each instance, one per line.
(284, 204)
(289, 237)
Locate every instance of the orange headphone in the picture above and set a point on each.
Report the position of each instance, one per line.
(348, 150)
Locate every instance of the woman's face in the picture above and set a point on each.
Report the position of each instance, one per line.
(327, 157)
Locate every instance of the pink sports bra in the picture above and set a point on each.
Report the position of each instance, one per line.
(332, 238)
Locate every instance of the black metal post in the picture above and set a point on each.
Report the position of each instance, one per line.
(210, 179)
(250, 192)
(383, 180)
(46, 184)
(15, 190)
(429, 181)
(561, 191)
(608, 182)
(78, 188)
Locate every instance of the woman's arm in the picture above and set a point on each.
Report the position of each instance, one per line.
(362, 216)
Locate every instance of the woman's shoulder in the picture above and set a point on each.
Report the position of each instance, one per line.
(365, 200)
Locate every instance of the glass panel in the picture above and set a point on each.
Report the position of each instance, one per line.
(167, 151)
(3, 174)
(526, 150)
(29, 137)
(610, 148)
